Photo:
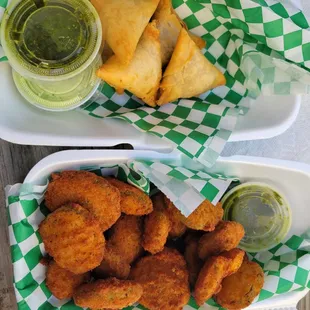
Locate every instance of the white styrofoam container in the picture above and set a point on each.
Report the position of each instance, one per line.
(292, 178)
(22, 123)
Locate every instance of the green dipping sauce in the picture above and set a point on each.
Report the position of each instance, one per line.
(51, 39)
(52, 33)
(263, 212)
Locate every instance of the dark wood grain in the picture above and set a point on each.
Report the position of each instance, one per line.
(15, 163)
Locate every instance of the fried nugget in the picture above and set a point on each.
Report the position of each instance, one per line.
(194, 263)
(62, 282)
(112, 265)
(133, 200)
(158, 201)
(239, 290)
(110, 293)
(236, 256)
(177, 228)
(156, 229)
(164, 278)
(126, 237)
(210, 278)
(87, 189)
(205, 217)
(225, 237)
(73, 237)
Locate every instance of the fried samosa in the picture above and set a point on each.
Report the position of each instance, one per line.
(97, 5)
(105, 55)
(170, 25)
(123, 23)
(188, 73)
(142, 76)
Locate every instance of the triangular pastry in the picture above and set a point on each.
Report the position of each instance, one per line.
(170, 25)
(189, 73)
(123, 22)
(142, 76)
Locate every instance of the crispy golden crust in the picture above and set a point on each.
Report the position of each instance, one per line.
(201, 43)
(126, 237)
(170, 25)
(177, 228)
(188, 73)
(102, 309)
(210, 278)
(194, 263)
(73, 237)
(62, 282)
(158, 202)
(87, 189)
(142, 75)
(123, 23)
(239, 290)
(164, 279)
(133, 200)
(205, 217)
(225, 237)
(236, 256)
(112, 265)
(156, 230)
(110, 293)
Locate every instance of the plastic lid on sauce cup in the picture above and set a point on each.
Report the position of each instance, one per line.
(50, 39)
(263, 212)
(60, 95)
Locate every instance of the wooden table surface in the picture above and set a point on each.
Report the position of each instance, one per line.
(15, 163)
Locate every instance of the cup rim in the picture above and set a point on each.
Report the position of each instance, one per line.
(21, 70)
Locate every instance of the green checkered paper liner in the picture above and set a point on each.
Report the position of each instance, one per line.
(286, 266)
(261, 46)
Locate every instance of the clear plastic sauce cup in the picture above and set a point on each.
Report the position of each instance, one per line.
(60, 95)
(51, 40)
(262, 210)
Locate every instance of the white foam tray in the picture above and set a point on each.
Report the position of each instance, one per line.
(24, 124)
(289, 177)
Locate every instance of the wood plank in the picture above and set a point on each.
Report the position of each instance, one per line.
(15, 163)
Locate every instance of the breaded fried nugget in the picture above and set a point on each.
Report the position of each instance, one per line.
(87, 189)
(225, 237)
(236, 256)
(110, 293)
(133, 200)
(177, 228)
(158, 201)
(205, 217)
(73, 237)
(210, 278)
(156, 229)
(62, 282)
(239, 290)
(126, 237)
(164, 278)
(112, 265)
(194, 263)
